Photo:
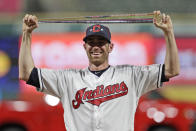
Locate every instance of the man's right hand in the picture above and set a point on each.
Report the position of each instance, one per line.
(30, 22)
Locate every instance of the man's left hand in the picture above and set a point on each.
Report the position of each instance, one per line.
(163, 22)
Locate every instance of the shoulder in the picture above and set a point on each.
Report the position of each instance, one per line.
(126, 67)
(69, 71)
(150, 67)
(137, 67)
(123, 67)
(74, 71)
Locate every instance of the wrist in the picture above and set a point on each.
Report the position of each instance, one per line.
(168, 32)
(25, 32)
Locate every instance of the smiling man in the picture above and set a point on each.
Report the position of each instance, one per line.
(98, 46)
(100, 97)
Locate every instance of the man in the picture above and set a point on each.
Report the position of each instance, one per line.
(102, 96)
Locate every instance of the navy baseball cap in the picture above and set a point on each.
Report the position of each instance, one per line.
(99, 30)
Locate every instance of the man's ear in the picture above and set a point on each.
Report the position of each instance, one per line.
(84, 45)
(111, 46)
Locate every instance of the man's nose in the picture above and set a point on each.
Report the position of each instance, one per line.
(95, 47)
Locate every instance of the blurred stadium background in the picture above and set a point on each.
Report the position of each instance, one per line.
(60, 46)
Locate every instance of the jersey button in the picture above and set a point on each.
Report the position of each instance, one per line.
(98, 127)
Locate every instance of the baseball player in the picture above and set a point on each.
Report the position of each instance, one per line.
(100, 97)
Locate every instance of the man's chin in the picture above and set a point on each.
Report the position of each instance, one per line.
(96, 62)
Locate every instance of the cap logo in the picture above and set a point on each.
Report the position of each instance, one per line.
(96, 28)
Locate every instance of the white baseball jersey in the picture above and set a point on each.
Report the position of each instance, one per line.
(105, 103)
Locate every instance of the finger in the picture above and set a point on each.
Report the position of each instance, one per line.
(168, 18)
(158, 17)
(163, 18)
(25, 18)
(34, 26)
(158, 12)
(157, 24)
(34, 19)
(155, 16)
(30, 18)
(154, 12)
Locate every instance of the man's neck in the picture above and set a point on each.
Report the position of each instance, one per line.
(93, 67)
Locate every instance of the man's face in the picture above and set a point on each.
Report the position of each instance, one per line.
(97, 49)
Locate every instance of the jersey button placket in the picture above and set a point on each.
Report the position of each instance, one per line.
(99, 122)
(97, 117)
(97, 114)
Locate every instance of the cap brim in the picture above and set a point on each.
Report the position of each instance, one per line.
(95, 34)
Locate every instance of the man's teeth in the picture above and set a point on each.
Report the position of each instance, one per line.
(95, 53)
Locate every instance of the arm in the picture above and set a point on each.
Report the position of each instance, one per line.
(172, 65)
(26, 63)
